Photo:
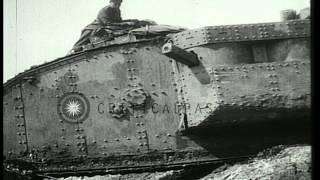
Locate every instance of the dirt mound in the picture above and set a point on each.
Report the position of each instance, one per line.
(292, 163)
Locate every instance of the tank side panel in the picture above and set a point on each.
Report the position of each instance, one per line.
(289, 50)
(224, 53)
(161, 118)
(265, 90)
(48, 135)
(11, 146)
(103, 79)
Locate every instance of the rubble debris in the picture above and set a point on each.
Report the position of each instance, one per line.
(273, 164)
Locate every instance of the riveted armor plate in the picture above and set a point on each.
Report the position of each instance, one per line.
(137, 97)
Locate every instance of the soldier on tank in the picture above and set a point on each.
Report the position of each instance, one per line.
(108, 18)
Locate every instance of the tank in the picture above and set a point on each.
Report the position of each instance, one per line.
(158, 99)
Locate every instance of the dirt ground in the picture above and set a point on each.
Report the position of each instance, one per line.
(292, 163)
(277, 163)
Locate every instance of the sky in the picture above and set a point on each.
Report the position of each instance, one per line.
(38, 31)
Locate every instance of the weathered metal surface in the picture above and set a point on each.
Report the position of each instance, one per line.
(180, 55)
(289, 50)
(254, 52)
(12, 132)
(70, 59)
(127, 104)
(242, 32)
(134, 70)
(54, 85)
(277, 90)
(50, 136)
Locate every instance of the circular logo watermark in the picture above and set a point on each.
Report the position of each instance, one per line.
(73, 108)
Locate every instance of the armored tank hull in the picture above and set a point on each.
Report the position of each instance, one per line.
(141, 103)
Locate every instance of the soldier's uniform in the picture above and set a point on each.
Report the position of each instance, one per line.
(106, 16)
